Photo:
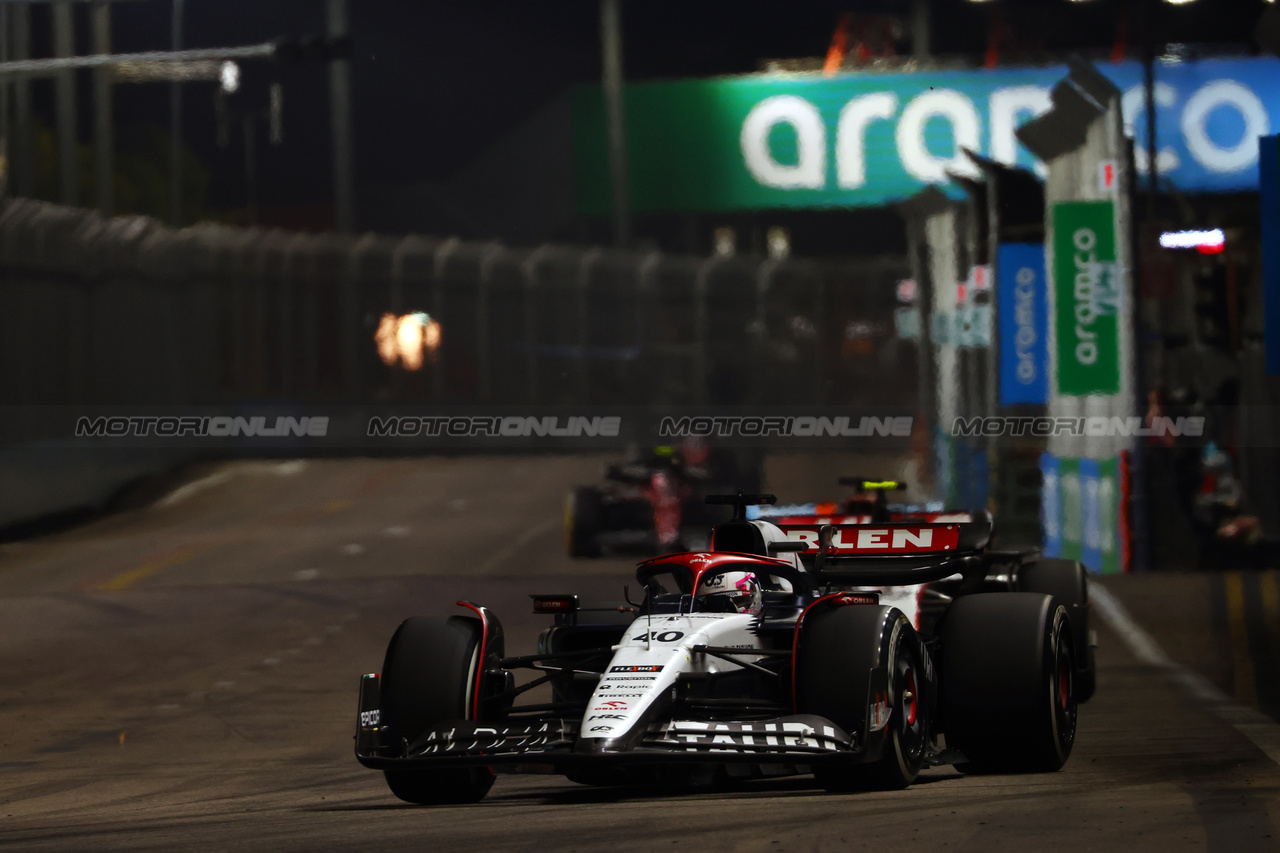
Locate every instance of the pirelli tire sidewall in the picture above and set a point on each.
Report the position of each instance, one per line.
(841, 652)
(429, 677)
(1069, 581)
(1007, 675)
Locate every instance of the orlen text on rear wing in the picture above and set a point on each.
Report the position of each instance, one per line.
(891, 554)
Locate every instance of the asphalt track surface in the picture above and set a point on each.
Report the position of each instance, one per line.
(183, 677)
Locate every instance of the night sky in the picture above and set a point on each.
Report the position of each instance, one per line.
(436, 83)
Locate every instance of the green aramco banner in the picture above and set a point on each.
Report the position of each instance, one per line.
(1087, 287)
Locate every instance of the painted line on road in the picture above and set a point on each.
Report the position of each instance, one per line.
(186, 490)
(217, 478)
(514, 548)
(124, 580)
(1238, 631)
(1270, 595)
(1255, 725)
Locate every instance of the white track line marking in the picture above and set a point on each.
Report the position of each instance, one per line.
(185, 491)
(217, 478)
(516, 545)
(1255, 725)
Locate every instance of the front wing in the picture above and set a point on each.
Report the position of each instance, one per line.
(802, 739)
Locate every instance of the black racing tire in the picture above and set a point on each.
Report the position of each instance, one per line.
(1008, 682)
(833, 678)
(1069, 581)
(428, 677)
(583, 519)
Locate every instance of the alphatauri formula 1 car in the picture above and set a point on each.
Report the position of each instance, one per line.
(773, 652)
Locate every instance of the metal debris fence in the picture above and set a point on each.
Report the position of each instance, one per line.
(125, 310)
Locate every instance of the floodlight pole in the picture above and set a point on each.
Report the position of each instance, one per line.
(21, 153)
(1149, 95)
(340, 121)
(6, 137)
(611, 42)
(103, 154)
(920, 47)
(175, 126)
(65, 95)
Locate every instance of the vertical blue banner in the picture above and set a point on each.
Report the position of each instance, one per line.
(1050, 505)
(1091, 514)
(1024, 323)
(1269, 203)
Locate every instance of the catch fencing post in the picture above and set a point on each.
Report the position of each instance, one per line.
(530, 270)
(644, 313)
(702, 285)
(764, 281)
(587, 262)
(484, 380)
(443, 251)
(352, 320)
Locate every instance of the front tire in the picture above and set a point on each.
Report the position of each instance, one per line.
(842, 648)
(1008, 682)
(908, 731)
(429, 677)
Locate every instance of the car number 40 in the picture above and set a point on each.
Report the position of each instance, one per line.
(658, 636)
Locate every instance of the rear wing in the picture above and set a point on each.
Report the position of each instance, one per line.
(893, 554)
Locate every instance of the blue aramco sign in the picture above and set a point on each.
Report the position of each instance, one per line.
(1024, 324)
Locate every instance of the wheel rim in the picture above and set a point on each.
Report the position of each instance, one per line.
(914, 704)
(910, 726)
(1064, 682)
(1062, 690)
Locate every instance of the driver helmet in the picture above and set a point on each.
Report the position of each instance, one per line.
(731, 592)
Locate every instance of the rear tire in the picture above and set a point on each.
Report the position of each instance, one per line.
(428, 677)
(1068, 581)
(842, 647)
(1008, 682)
(583, 519)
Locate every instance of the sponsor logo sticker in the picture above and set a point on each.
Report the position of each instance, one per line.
(614, 705)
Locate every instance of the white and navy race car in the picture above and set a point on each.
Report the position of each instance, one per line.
(770, 653)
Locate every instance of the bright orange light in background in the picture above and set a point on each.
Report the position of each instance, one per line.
(409, 340)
